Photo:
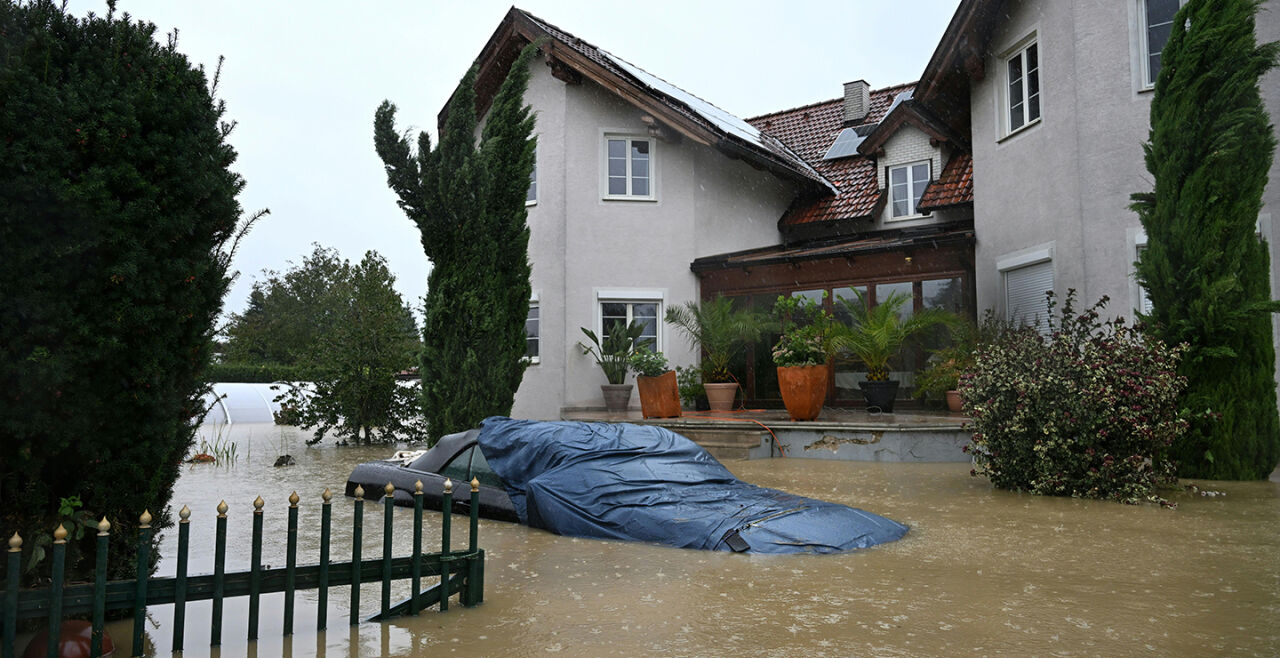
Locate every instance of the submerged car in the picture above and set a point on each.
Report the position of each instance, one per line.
(619, 481)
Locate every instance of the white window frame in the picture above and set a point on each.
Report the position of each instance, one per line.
(912, 211)
(631, 297)
(604, 168)
(531, 197)
(1148, 81)
(1006, 114)
(534, 304)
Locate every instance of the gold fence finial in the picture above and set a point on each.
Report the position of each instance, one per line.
(293, 499)
(145, 520)
(222, 509)
(104, 527)
(448, 486)
(359, 492)
(15, 543)
(327, 495)
(257, 504)
(390, 489)
(184, 514)
(417, 487)
(60, 535)
(475, 484)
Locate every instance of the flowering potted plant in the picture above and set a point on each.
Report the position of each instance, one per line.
(656, 381)
(613, 355)
(801, 355)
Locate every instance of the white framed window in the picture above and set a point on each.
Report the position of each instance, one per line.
(628, 167)
(1157, 23)
(1027, 276)
(1022, 86)
(532, 327)
(619, 310)
(531, 197)
(906, 185)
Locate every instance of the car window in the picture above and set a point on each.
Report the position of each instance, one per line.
(458, 467)
(480, 470)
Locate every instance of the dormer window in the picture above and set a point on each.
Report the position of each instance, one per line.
(906, 186)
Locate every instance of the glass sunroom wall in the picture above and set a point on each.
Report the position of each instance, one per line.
(848, 373)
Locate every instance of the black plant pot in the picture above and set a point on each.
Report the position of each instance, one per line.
(880, 395)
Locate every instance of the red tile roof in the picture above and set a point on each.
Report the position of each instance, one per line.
(810, 130)
(953, 187)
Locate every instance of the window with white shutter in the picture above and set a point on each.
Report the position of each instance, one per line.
(1024, 293)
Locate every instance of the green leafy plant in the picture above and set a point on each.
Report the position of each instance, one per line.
(719, 330)
(647, 363)
(807, 330)
(948, 364)
(614, 354)
(1088, 411)
(878, 332)
(689, 381)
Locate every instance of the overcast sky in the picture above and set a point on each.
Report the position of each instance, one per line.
(303, 79)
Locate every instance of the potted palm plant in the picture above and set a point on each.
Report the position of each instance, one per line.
(720, 331)
(656, 381)
(613, 355)
(801, 355)
(876, 335)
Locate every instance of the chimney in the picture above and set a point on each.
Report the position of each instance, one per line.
(857, 101)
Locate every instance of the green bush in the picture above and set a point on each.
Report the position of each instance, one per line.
(647, 363)
(257, 373)
(117, 217)
(1088, 411)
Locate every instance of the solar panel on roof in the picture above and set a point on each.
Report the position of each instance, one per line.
(846, 144)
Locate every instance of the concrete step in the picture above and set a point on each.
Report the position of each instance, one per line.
(724, 444)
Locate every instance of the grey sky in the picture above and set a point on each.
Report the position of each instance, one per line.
(303, 79)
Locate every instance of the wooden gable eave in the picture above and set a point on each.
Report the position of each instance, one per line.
(911, 113)
(958, 61)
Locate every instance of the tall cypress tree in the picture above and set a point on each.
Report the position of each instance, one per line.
(468, 200)
(1206, 271)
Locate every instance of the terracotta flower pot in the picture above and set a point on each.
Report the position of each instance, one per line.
(954, 403)
(659, 396)
(616, 397)
(720, 396)
(804, 389)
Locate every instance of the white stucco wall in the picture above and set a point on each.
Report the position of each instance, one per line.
(1064, 183)
(582, 245)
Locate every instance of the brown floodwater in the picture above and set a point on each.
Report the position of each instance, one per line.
(982, 572)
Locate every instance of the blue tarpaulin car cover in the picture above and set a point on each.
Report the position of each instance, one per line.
(646, 483)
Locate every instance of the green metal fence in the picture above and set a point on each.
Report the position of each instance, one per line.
(459, 572)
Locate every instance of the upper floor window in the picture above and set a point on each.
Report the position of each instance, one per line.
(1022, 70)
(628, 167)
(1157, 18)
(906, 185)
(531, 197)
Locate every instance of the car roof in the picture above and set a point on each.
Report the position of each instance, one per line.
(444, 450)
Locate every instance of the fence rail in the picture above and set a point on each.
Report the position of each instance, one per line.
(459, 572)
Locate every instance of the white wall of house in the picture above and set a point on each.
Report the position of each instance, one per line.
(1059, 186)
(584, 247)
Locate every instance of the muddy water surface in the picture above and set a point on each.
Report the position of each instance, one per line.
(982, 572)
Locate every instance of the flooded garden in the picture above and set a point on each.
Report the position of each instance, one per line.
(982, 572)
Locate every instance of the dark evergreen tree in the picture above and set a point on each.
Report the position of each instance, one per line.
(118, 215)
(1205, 269)
(468, 200)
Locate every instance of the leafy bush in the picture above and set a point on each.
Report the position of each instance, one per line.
(257, 373)
(118, 220)
(647, 363)
(1088, 411)
(689, 381)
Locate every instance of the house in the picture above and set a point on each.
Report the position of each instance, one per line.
(1054, 98)
(645, 196)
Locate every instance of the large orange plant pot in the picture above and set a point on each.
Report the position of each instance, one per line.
(804, 389)
(659, 396)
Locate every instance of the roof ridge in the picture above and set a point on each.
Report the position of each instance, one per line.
(807, 106)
